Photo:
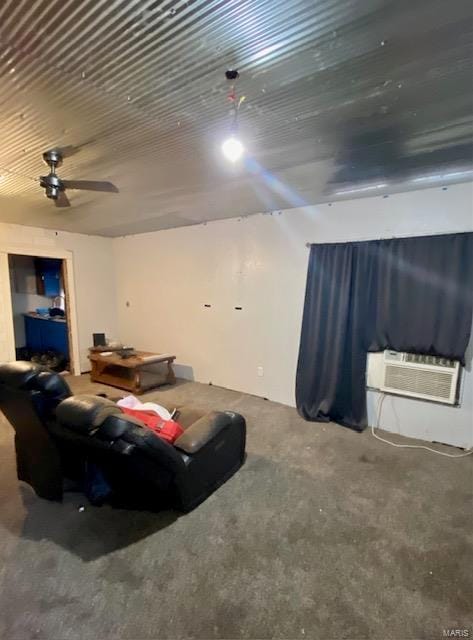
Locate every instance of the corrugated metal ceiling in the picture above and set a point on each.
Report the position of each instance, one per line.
(343, 98)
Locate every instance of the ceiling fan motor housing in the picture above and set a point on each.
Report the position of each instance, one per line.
(53, 158)
(52, 185)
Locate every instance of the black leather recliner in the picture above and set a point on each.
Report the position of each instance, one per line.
(57, 434)
(29, 394)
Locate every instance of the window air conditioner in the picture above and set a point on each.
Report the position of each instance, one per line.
(417, 376)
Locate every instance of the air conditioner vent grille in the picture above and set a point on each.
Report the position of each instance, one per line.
(419, 381)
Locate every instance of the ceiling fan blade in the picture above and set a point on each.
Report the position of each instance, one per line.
(69, 150)
(62, 200)
(91, 185)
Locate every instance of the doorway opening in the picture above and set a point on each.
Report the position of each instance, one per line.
(41, 312)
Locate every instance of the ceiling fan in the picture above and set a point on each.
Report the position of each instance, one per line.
(55, 187)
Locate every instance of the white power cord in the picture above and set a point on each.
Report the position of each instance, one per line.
(409, 446)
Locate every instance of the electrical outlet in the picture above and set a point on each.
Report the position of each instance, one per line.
(260, 372)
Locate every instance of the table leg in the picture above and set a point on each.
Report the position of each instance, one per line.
(137, 382)
(97, 370)
(171, 378)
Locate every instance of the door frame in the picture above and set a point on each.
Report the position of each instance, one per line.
(70, 295)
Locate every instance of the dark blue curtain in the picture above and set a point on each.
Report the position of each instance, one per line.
(405, 294)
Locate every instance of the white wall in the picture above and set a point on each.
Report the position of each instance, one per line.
(94, 280)
(260, 263)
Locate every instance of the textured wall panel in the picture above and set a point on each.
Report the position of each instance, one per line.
(343, 98)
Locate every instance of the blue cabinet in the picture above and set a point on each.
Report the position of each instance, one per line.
(43, 334)
(55, 337)
(34, 340)
(48, 276)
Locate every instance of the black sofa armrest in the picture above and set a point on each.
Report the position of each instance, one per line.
(203, 431)
(214, 450)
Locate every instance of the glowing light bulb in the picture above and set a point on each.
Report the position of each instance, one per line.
(232, 149)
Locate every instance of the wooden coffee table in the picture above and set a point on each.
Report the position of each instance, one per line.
(137, 373)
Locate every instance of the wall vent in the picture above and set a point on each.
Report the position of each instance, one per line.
(419, 376)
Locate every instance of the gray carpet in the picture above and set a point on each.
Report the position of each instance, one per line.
(324, 533)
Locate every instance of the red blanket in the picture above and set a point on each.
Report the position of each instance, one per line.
(168, 430)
